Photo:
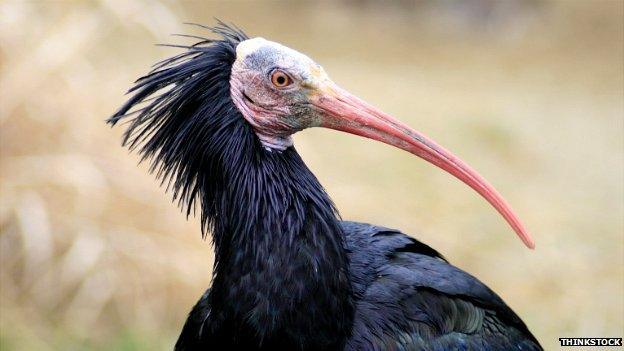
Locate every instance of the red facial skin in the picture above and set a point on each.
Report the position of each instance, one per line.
(269, 120)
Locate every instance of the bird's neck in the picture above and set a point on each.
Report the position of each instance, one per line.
(281, 265)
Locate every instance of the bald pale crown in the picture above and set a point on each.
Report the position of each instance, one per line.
(274, 110)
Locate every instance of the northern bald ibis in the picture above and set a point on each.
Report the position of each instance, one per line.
(216, 122)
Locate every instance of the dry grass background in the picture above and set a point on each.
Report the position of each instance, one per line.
(94, 256)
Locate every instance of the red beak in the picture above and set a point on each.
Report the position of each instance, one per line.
(345, 112)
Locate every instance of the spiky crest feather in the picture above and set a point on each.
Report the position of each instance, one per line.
(265, 210)
(175, 108)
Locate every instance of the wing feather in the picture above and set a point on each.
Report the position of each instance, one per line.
(411, 298)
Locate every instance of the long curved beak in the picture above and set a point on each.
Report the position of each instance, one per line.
(342, 111)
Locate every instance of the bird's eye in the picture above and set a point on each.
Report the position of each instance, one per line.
(280, 79)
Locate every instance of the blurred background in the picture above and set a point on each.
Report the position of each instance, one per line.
(94, 256)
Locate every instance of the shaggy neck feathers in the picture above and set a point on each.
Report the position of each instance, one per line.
(281, 271)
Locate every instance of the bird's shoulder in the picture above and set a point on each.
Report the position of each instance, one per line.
(191, 337)
(409, 297)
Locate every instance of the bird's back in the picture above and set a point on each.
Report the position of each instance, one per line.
(408, 297)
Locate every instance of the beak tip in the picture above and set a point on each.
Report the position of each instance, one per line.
(528, 241)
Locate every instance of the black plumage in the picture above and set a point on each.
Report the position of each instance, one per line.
(289, 273)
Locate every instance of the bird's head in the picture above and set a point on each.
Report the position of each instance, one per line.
(273, 86)
(280, 91)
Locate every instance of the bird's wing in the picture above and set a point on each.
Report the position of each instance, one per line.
(191, 336)
(408, 297)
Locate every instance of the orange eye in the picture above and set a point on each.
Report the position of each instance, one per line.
(280, 79)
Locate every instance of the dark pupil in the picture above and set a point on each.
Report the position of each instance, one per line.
(281, 80)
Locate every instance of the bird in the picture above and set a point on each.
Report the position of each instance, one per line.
(215, 122)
